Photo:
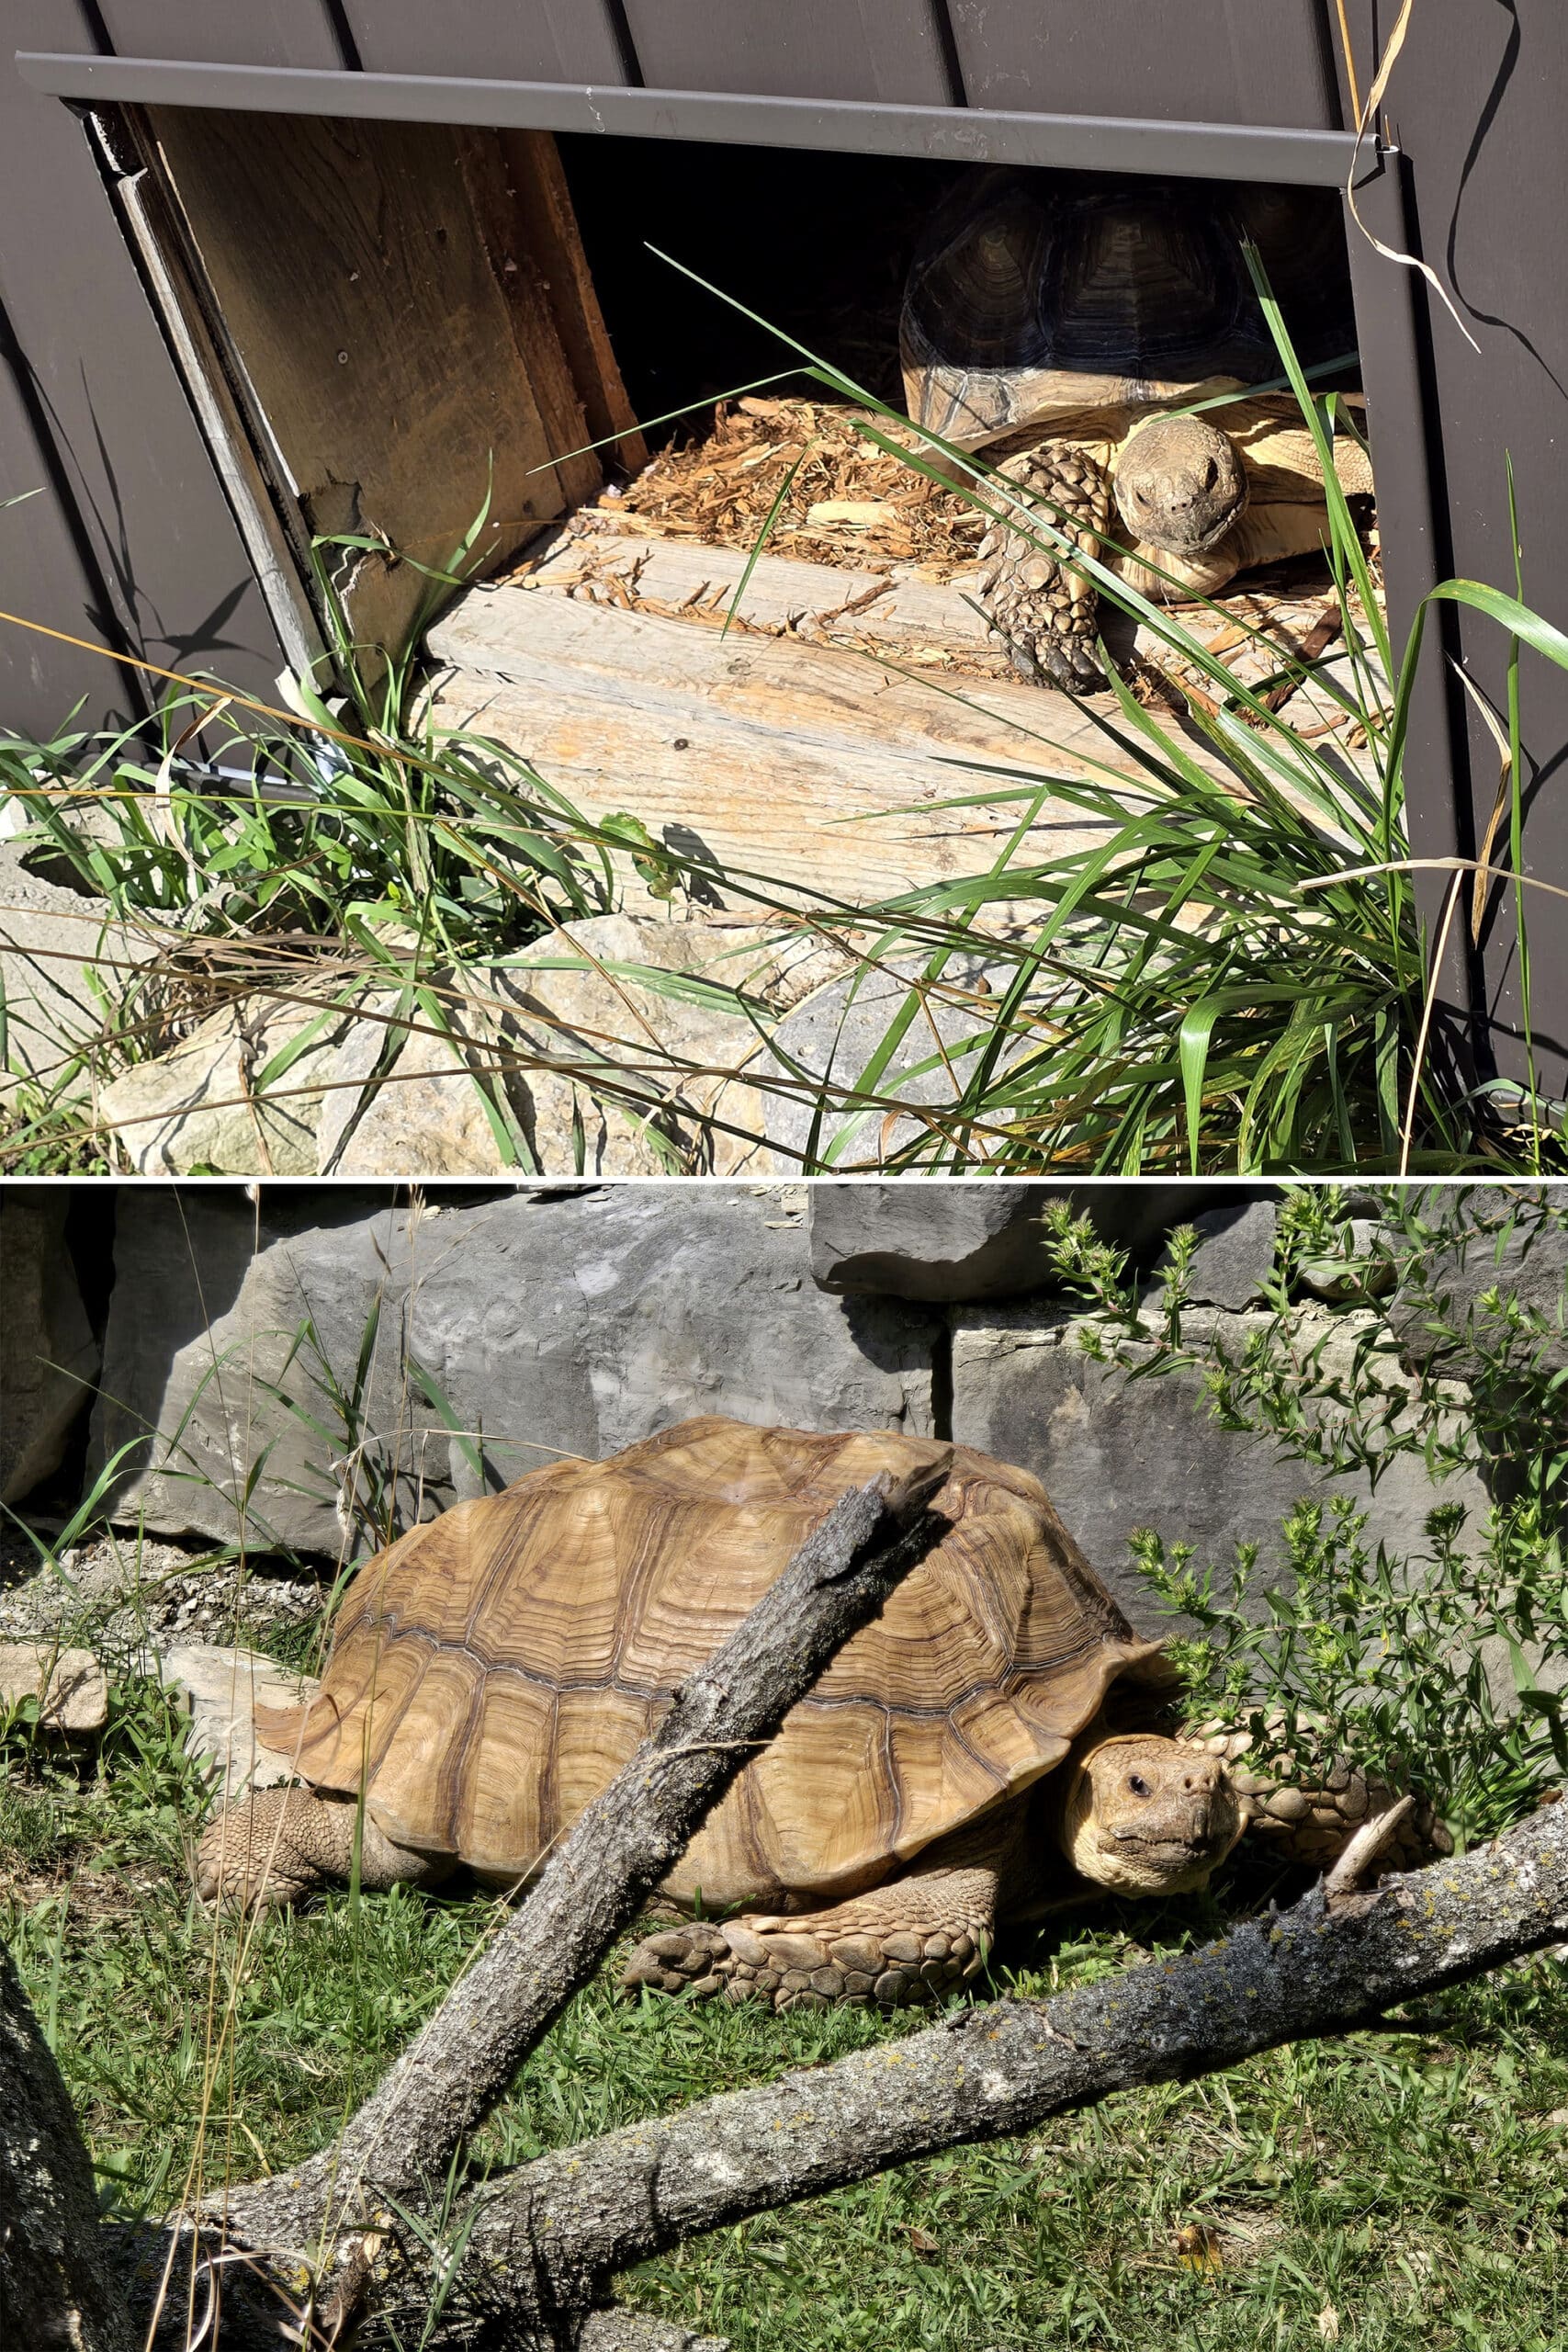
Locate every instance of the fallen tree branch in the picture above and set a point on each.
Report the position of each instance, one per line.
(57, 2291)
(558, 2230)
(404, 2135)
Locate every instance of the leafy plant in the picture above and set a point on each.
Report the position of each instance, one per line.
(1450, 1665)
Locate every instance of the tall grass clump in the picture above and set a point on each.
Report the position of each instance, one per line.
(1236, 975)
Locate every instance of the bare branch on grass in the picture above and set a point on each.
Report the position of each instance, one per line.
(557, 2230)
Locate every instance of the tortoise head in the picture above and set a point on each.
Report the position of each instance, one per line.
(1180, 484)
(1147, 1816)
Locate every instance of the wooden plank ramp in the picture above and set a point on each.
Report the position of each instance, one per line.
(809, 761)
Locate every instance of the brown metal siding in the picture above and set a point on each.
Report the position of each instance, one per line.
(514, 40)
(1196, 61)
(888, 50)
(1479, 101)
(130, 541)
(254, 32)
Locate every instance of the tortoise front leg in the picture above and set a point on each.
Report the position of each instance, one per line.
(1039, 607)
(281, 1845)
(907, 1941)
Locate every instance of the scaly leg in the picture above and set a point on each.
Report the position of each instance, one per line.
(910, 1941)
(1042, 610)
(1311, 1823)
(283, 1844)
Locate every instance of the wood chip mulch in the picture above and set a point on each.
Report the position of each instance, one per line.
(848, 503)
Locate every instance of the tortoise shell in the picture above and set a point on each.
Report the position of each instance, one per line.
(1034, 294)
(494, 1669)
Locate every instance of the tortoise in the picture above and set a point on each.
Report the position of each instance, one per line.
(1059, 325)
(987, 1747)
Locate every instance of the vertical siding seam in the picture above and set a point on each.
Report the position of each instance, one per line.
(93, 25)
(631, 65)
(343, 34)
(950, 57)
(1328, 66)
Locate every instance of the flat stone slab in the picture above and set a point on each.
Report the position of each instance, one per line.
(70, 1687)
(221, 1689)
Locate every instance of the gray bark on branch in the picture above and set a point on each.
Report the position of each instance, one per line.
(57, 2293)
(557, 2230)
(403, 2137)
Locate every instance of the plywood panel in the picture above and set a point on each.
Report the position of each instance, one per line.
(890, 50)
(514, 41)
(1201, 60)
(553, 274)
(363, 303)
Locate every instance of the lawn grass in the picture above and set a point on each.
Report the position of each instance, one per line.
(1393, 2189)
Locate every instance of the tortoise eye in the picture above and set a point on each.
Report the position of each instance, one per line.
(1137, 1783)
(1210, 474)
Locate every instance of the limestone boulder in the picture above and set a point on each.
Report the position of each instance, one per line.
(208, 1106)
(62, 957)
(1118, 1454)
(484, 1336)
(622, 1046)
(824, 1052)
(974, 1240)
(619, 1046)
(1484, 1238)
(221, 1689)
(69, 1685)
(48, 1357)
(240, 1335)
(1235, 1256)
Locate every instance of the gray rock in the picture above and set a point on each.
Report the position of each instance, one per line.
(831, 1039)
(1511, 1238)
(681, 1050)
(236, 1332)
(1363, 1271)
(612, 1048)
(1116, 1454)
(197, 1107)
(49, 1359)
(571, 1322)
(70, 1685)
(1235, 1255)
(956, 1241)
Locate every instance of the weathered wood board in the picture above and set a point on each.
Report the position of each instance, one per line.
(886, 605)
(813, 765)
